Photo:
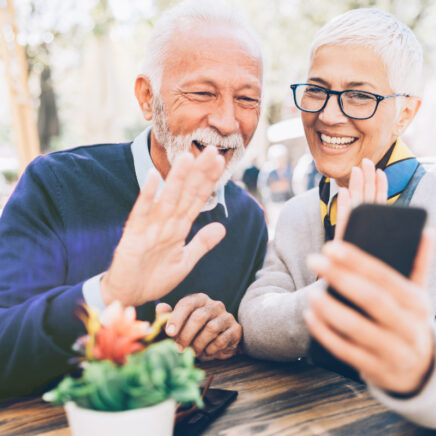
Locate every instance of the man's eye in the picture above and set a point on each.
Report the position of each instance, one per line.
(202, 93)
(248, 101)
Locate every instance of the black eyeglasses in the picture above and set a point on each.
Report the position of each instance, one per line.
(355, 104)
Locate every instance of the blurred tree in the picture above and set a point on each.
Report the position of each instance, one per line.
(48, 121)
(55, 34)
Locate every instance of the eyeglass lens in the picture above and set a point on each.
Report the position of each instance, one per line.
(355, 104)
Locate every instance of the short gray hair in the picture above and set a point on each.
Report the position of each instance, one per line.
(183, 16)
(381, 32)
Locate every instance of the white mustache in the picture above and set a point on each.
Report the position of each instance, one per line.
(208, 136)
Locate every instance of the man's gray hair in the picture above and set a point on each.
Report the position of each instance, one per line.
(393, 41)
(182, 17)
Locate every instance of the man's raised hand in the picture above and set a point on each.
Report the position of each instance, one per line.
(152, 257)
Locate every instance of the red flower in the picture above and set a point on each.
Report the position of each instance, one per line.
(119, 335)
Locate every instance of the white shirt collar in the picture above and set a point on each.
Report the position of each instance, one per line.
(143, 163)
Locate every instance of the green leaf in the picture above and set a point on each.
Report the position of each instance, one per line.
(147, 378)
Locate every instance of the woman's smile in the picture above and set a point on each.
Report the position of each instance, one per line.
(336, 142)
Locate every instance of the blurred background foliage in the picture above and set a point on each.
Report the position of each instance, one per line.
(83, 57)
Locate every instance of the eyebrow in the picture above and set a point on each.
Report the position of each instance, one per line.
(200, 81)
(355, 84)
(254, 86)
(319, 80)
(207, 82)
(349, 85)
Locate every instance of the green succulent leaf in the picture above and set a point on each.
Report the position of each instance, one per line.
(147, 378)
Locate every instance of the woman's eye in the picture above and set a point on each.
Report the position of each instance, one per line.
(314, 90)
(360, 96)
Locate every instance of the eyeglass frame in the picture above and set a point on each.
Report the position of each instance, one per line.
(330, 92)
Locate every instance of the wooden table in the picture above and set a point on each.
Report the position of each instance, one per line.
(274, 399)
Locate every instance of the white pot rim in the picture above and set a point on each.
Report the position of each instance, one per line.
(72, 405)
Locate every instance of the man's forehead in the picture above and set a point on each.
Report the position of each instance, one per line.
(209, 54)
(196, 40)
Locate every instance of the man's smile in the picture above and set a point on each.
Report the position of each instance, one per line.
(200, 146)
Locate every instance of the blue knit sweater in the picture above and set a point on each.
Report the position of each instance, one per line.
(60, 228)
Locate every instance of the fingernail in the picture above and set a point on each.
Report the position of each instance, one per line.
(317, 262)
(171, 329)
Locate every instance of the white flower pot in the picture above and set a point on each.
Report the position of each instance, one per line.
(155, 420)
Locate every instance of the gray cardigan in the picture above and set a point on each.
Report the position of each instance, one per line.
(271, 312)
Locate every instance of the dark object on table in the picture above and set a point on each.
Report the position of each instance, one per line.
(215, 401)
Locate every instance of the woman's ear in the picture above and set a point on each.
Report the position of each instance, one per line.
(144, 95)
(406, 115)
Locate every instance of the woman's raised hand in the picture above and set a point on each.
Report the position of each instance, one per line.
(366, 185)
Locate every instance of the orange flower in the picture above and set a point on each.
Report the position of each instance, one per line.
(89, 317)
(120, 334)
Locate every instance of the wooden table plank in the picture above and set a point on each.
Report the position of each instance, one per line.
(297, 399)
(274, 399)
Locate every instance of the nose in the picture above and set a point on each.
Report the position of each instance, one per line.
(332, 113)
(223, 117)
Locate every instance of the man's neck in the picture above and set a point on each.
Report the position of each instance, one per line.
(159, 157)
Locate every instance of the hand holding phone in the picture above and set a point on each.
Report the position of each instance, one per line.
(390, 233)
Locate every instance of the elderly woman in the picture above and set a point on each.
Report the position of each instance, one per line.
(359, 97)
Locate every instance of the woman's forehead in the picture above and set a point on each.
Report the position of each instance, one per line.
(349, 65)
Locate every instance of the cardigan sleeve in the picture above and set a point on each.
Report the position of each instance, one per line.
(37, 321)
(419, 408)
(271, 312)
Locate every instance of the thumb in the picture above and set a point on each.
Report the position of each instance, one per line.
(203, 242)
(163, 308)
(342, 212)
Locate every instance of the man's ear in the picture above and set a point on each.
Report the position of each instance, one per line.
(144, 95)
(407, 115)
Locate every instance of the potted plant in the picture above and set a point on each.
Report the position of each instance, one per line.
(128, 385)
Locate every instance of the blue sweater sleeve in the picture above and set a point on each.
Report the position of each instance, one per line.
(37, 321)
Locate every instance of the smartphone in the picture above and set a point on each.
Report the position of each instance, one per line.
(390, 233)
(215, 402)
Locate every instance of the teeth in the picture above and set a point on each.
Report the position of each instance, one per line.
(337, 141)
(201, 144)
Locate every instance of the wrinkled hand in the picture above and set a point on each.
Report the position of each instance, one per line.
(199, 322)
(392, 349)
(151, 257)
(366, 185)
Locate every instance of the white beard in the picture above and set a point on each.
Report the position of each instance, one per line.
(174, 145)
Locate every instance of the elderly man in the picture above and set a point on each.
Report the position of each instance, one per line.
(72, 230)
